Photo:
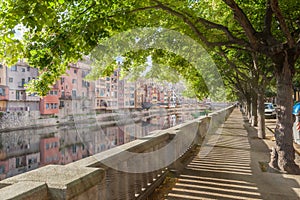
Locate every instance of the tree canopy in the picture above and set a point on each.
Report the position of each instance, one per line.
(57, 33)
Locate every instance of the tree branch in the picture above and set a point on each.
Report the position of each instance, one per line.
(144, 8)
(185, 19)
(268, 19)
(282, 23)
(243, 20)
(192, 25)
(232, 65)
(210, 24)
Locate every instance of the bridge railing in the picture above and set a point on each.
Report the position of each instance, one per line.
(129, 171)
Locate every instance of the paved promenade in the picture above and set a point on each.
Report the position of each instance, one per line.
(230, 167)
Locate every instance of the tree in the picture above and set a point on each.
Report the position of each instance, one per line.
(60, 32)
(250, 81)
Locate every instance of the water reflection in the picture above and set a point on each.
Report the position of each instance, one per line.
(32, 147)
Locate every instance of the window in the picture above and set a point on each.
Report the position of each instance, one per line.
(28, 69)
(23, 69)
(2, 169)
(84, 73)
(53, 105)
(13, 68)
(53, 92)
(61, 104)
(131, 103)
(23, 82)
(0, 80)
(62, 80)
(2, 92)
(11, 80)
(73, 148)
(28, 79)
(75, 71)
(47, 106)
(102, 91)
(73, 81)
(73, 93)
(1, 66)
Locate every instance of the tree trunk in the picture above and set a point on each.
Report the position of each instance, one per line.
(254, 109)
(248, 113)
(261, 115)
(285, 153)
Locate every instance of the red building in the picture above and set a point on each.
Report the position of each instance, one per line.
(49, 151)
(50, 103)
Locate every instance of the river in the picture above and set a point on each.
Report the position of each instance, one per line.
(28, 148)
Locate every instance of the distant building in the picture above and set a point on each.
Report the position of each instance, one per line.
(129, 94)
(16, 78)
(68, 94)
(109, 92)
(3, 89)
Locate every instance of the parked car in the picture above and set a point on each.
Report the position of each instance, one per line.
(270, 111)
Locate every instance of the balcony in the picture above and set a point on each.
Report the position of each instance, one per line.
(21, 84)
(32, 98)
(65, 97)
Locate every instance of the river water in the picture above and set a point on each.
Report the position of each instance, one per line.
(29, 148)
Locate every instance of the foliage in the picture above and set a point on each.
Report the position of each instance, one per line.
(61, 32)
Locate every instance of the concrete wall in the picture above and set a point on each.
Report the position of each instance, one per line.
(114, 174)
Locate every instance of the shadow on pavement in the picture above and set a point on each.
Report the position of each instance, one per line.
(230, 168)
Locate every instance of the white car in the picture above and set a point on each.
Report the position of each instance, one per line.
(270, 111)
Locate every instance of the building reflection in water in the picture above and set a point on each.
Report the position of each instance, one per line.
(27, 149)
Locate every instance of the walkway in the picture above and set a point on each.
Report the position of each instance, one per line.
(230, 167)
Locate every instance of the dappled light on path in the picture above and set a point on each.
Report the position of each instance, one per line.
(224, 171)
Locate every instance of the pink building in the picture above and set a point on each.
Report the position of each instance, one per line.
(73, 152)
(74, 90)
(49, 151)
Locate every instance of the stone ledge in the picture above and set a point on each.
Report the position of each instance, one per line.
(64, 182)
(25, 191)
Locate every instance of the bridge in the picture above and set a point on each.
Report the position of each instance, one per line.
(212, 157)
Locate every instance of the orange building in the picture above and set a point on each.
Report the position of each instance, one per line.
(50, 103)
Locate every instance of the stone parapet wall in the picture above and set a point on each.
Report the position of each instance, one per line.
(18, 119)
(118, 173)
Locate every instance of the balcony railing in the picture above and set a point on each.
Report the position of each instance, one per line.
(21, 84)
